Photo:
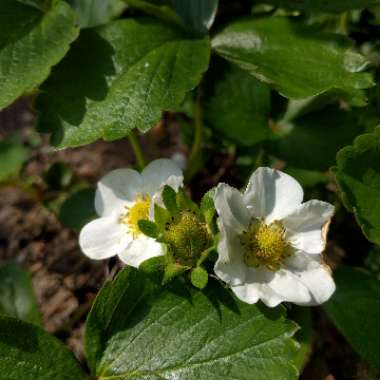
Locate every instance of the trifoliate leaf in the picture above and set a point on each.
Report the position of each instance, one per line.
(136, 329)
(96, 12)
(196, 15)
(142, 68)
(358, 177)
(287, 55)
(16, 294)
(31, 42)
(322, 5)
(29, 353)
(162, 9)
(355, 310)
(238, 106)
(312, 141)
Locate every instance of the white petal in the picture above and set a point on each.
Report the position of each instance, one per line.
(159, 173)
(256, 288)
(231, 208)
(304, 226)
(141, 248)
(272, 194)
(287, 286)
(311, 272)
(115, 188)
(230, 266)
(102, 238)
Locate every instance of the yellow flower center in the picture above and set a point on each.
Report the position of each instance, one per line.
(264, 245)
(132, 215)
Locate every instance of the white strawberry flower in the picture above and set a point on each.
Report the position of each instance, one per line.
(271, 243)
(123, 197)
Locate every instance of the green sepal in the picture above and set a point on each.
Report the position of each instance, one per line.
(169, 199)
(199, 277)
(208, 209)
(161, 216)
(148, 228)
(153, 265)
(172, 271)
(184, 202)
(206, 253)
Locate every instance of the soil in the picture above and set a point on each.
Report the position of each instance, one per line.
(66, 282)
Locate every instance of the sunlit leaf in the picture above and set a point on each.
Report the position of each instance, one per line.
(142, 67)
(29, 353)
(31, 42)
(297, 60)
(136, 329)
(358, 177)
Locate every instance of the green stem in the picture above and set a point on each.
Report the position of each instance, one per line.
(343, 23)
(194, 159)
(198, 124)
(133, 140)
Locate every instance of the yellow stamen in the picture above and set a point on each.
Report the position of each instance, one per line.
(265, 245)
(139, 210)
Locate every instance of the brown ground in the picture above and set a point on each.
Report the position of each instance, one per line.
(66, 282)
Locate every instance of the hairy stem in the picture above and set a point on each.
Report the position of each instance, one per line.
(194, 159)
(140, 159)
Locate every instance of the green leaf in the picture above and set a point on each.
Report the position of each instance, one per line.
(16, 294)
(136, 329)
(312, 141)
(142, 67)
(199, 277)
(304, 336)
(148, 228)
(29, 353)
(358, 177)
(31, 42)
(158, 8)
(96, 12)
(322, 5)
(238, 106)
(78, 209)
(39, 4)
(13, 155)
(197, 15)
(287, 55)
(58, 176)
(355, 310)
(169, 197)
